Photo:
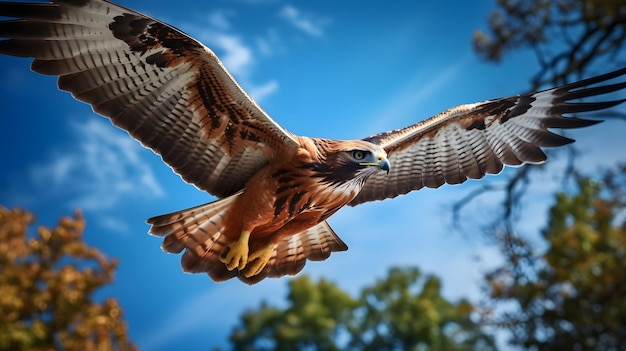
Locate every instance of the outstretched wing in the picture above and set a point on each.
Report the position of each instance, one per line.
(166, 89)
(470, 141)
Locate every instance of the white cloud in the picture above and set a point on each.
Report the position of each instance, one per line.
(219, 19)
(103, 169)
(113, 224)
(269, 43)
(238, 57)
(311, 25)
(258, 93)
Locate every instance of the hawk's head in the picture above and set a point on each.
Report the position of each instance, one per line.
(351, 160)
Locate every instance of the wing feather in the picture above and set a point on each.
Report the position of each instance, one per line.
(166, 89)
(470, 141)
(454, 151)
(469, 160)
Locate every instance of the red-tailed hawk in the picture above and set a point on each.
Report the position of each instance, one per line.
(275, 189)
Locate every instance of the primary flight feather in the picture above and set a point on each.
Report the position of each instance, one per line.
(275, 189)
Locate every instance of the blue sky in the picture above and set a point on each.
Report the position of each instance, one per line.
(336, 69)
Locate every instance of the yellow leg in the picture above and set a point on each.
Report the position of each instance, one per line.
(258, 259)
(237, 256)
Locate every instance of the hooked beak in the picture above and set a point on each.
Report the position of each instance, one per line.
(383, 163)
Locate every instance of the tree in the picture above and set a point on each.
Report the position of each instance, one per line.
(567, 36)
(553, 295)
(574, 298)
(47, 282)
(404, 311)
(313, 319)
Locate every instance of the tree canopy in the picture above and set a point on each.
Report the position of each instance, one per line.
(47, 283)
(403, 311)
(566, 36)
(566, 297)
(571, 297)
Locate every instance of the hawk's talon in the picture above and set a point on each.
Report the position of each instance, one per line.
(258, 260)
(237, 256)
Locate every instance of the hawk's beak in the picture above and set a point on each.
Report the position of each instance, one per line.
(384, 165)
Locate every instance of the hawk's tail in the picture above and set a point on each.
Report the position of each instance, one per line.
(199, 230)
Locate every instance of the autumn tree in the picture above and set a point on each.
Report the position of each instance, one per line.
(404, 311)
(572, 297)
(47, 283)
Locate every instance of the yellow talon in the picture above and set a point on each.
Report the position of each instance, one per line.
(237, 256)
(258, 259)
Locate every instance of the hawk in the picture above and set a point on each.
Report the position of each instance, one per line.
(275, 189)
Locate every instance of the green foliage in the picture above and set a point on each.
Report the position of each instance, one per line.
(312, 319)
(404, 311)
(574, 300)
(571, 297)
(46, 287)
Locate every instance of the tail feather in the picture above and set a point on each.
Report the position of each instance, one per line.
(198, 230)
(291, 254)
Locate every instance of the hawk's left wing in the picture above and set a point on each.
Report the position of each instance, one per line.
(472, 140)
(166, 89)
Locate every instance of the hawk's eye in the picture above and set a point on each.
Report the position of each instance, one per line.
(358, 155)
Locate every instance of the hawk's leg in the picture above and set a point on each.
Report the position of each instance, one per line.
(258, 259)
(237, 255)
